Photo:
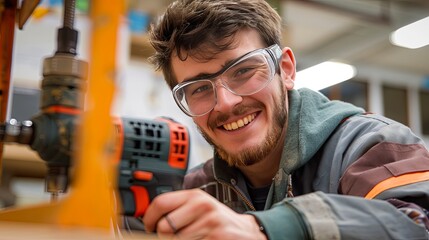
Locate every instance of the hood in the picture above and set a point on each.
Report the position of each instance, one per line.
(311, 119)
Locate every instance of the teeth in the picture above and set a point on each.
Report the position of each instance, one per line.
(240, 123)
(246, 121)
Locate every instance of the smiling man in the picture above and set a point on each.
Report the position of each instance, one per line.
(242, 106)
(287, 164)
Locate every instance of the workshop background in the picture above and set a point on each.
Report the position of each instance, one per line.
(387, 79)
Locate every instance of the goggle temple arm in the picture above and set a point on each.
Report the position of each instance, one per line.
(276, 54)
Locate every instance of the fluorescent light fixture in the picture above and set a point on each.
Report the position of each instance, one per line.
(324, 75)
(414, 35)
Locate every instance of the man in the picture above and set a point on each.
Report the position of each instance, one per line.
(288, 164)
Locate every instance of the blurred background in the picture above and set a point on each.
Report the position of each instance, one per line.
(349, 41)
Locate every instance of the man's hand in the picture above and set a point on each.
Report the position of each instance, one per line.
(194, 214)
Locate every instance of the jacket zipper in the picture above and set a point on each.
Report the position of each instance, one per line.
(239, 193)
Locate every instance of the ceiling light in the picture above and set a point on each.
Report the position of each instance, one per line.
(324, 75)
(414, 35)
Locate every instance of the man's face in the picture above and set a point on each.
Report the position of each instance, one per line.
(243, 129)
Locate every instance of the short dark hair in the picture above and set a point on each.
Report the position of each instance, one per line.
(202, 28)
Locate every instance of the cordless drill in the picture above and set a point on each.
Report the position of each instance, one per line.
(154, 160)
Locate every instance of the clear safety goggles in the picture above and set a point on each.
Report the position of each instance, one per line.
(244, 76)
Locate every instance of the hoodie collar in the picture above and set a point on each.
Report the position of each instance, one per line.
(312, 118)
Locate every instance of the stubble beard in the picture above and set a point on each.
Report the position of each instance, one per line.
(255, 154)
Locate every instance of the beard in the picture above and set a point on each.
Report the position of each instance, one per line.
(254, 154)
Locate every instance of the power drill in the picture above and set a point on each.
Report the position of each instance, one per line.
(154, 160)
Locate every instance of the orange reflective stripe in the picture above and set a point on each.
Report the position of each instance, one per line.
(396, 182)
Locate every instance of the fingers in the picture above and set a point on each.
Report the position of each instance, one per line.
(198, 205)
(191, 225)
(171, 224)
(181, 207)
(194, 214)
(160, 206)
(199, 228)
(166, 228)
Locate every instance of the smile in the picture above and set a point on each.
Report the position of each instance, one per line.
(239, 123)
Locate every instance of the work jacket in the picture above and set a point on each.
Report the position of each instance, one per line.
(343, 174)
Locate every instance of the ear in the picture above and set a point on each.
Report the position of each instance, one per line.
(288, 67)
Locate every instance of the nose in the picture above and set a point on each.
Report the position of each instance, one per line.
(226, 100)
